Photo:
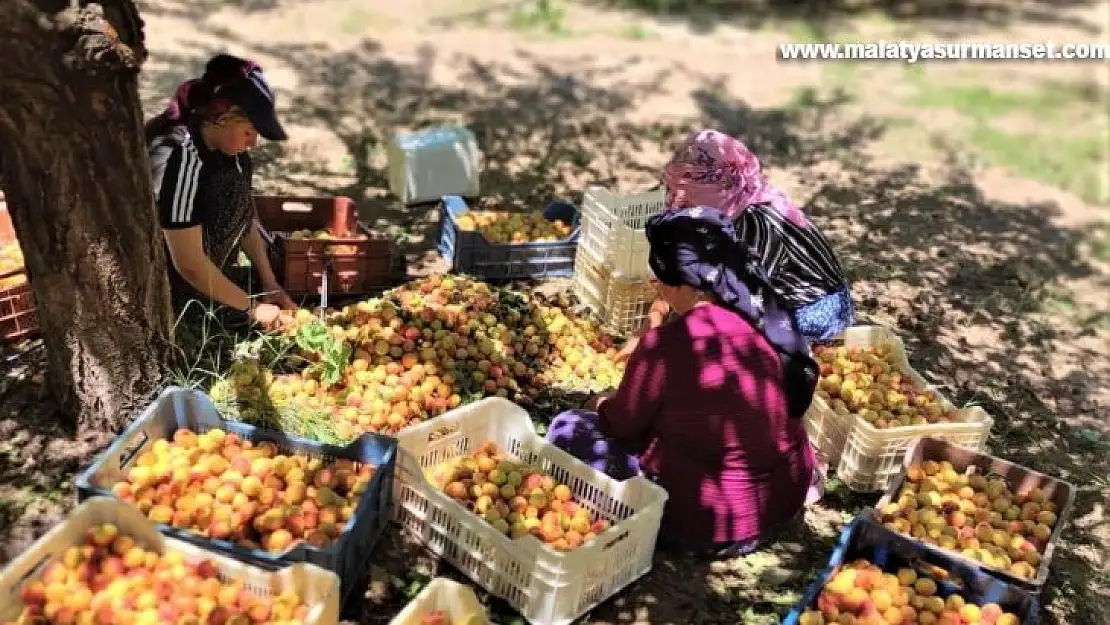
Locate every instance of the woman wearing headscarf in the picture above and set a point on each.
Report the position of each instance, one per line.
(201, 166)
(710, 405)
(715, 170)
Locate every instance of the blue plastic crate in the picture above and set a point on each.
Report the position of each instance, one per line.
(178, 407)
(470, 253)
(867, 539)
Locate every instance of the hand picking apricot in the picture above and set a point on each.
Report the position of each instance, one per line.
(219, 485)
(974, 515)
(862, 594)
(93, 583)
(516, 499)
(867, 382)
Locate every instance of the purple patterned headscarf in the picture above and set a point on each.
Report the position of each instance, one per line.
(700, 247)
(714, 169)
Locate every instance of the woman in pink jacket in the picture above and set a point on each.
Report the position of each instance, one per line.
(711, 403)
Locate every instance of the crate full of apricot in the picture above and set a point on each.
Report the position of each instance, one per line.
(870, 405)
(501, 245)
(522, 518)
(877, 577)
(260, 496)
(106, 564)
(1001, 516)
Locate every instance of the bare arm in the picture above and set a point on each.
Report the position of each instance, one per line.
(188, 257)
(255, 247)
(657, 315)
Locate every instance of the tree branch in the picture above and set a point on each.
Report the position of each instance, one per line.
(97, 43)
(92, 41)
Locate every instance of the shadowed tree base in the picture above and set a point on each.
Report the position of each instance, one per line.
(75, 172)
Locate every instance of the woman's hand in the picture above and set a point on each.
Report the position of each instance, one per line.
(278, 297)
(265, 315)
(595, 402)
(657, 316)
(629, 347)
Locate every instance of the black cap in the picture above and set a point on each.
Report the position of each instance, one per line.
(253, 94)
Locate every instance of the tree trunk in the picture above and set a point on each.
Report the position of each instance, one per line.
(75, 171)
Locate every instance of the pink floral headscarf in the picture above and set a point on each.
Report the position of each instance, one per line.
(715, 170)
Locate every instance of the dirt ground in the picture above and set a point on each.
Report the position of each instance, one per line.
(968, 202)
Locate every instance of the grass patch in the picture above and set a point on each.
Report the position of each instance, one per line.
(1058, 301)
(1100, 243)
(982, 103)
(16, 499)
(1058, 150)
(807, 31)
(543, 15)
(361, 22)
(842, 75)
(637, 32)
(1072, 164)
(804, 98)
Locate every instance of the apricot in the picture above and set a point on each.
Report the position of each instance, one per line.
(1042, 532)
(251, 486)
(925, 587)
(277, 541)
(562, 492)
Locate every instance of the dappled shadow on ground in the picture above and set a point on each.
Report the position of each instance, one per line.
(679, 590)
(39, 453)
(545, 130)
(963, 278)
(201, 9)
(824, 16)
(800, 135)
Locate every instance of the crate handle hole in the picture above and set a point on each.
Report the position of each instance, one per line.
(129, 452)
(31, 572)
(612, 543)
(296, 207)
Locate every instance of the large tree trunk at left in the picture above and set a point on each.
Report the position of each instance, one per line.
(76, 175)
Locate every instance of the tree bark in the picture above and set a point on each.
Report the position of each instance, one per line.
(75, 171)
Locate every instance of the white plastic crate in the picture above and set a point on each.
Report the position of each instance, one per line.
(547, 587)
(316, 587)
(827, 430)
(457, 600)
(428, 164)
(871, 457)
(613, 229)
(621, 304)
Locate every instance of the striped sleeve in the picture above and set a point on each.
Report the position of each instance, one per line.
(175, 169)
(799, 260)
(764, 238)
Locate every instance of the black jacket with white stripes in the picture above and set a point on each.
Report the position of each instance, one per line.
(196, 187)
